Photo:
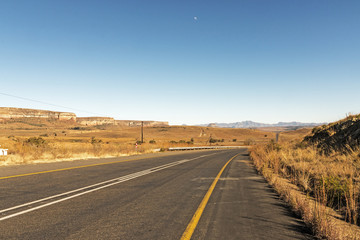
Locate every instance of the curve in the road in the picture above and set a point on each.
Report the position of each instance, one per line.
(195, 219)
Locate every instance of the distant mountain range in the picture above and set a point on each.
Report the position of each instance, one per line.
(251, 124)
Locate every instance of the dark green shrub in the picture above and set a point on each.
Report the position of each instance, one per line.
(213, 140)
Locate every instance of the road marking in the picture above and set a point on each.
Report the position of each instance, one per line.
(195, 219)
(89, 189)
(70, 168)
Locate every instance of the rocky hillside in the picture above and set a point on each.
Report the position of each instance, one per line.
(342, 136)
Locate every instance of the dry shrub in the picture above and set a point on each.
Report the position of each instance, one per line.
(315, 186)
(29, 150)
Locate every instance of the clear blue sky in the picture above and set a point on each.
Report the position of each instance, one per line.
(184, 61)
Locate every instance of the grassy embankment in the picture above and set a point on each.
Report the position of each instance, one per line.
(319, 176)
(41, 141)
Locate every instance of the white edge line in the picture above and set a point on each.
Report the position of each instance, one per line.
(118, 180)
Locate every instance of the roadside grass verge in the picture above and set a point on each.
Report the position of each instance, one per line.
(29, 144)
(36, 150)
(23, 150)
(323, 190)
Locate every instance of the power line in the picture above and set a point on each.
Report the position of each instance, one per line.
(50, 104)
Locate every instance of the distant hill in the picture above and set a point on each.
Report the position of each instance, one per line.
(342, 136)
(35, 116)
(251, 124)
(10, 113)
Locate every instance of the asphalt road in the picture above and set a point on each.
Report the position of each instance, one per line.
(150, 198)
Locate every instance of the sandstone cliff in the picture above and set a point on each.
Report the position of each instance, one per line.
(11, 114)
(136, 123)
(8, 113)
(94, 121)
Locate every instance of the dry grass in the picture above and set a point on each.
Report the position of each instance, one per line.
(295, 135)
(22, 151)
(315, 185)
(64, 141)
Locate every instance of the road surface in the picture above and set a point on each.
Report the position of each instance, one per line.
(144, 197)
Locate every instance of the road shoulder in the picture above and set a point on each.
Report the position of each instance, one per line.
(244, 206)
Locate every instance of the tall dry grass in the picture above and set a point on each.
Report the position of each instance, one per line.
(325, 182)
(69, 142)
(29, 150)
(24, 150)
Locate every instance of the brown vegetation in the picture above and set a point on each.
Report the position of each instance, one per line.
(342, 136)
(36, 140)
(319, 177)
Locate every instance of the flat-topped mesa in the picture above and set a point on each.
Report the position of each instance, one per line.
(137, 123)
(8, 113)
(95, 121)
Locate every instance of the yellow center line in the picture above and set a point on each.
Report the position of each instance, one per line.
(195, 219)
(70, 168)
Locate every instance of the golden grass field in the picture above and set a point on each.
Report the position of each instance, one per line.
(323, 188)
(43, 141)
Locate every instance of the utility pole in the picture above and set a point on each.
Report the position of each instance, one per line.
(210, 139)
(277, 137)
(142, 131)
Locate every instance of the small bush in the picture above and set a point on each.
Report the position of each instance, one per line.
(249, 141)
(95, 141)
(335, 189)
(213, 140)
(78, 128)
(38, 142)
